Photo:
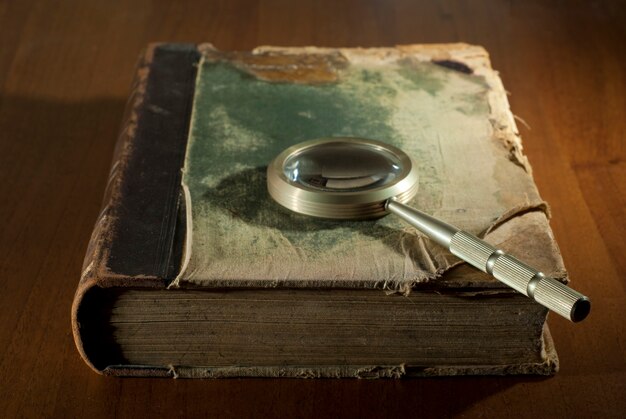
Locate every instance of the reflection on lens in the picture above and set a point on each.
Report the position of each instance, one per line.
(342, 167)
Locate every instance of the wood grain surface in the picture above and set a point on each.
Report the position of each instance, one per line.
(65, 72)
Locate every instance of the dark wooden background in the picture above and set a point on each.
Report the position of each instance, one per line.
(65, 72)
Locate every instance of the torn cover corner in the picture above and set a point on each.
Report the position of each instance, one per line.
(516, 211)
(525, 234)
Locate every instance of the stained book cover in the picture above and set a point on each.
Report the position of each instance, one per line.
(187, 207)
(443, 105)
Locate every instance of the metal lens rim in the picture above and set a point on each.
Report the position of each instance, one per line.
(336, 204)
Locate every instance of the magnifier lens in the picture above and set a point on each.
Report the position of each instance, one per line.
(341, 177)
(342, 167)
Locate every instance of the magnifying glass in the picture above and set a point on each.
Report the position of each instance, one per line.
(357, 178)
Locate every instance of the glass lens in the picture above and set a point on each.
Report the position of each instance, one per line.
(342, 167)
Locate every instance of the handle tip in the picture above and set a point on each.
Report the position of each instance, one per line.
(580, 310)
(561, 299)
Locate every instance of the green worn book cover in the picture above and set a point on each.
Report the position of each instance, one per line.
(441, 104)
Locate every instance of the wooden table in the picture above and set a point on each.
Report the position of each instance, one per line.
(65, 72)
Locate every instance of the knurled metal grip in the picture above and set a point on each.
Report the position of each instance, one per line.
(519, 276)
(471, 249)
(514, 273)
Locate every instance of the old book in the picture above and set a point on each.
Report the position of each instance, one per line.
(193, 271)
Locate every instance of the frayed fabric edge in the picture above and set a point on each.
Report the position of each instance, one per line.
(187, 246)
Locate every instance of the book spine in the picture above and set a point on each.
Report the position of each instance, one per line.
(147, 194)
(136, 238)
(100, 235)
(134, 241)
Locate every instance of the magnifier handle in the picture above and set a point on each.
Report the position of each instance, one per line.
(546, 291)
